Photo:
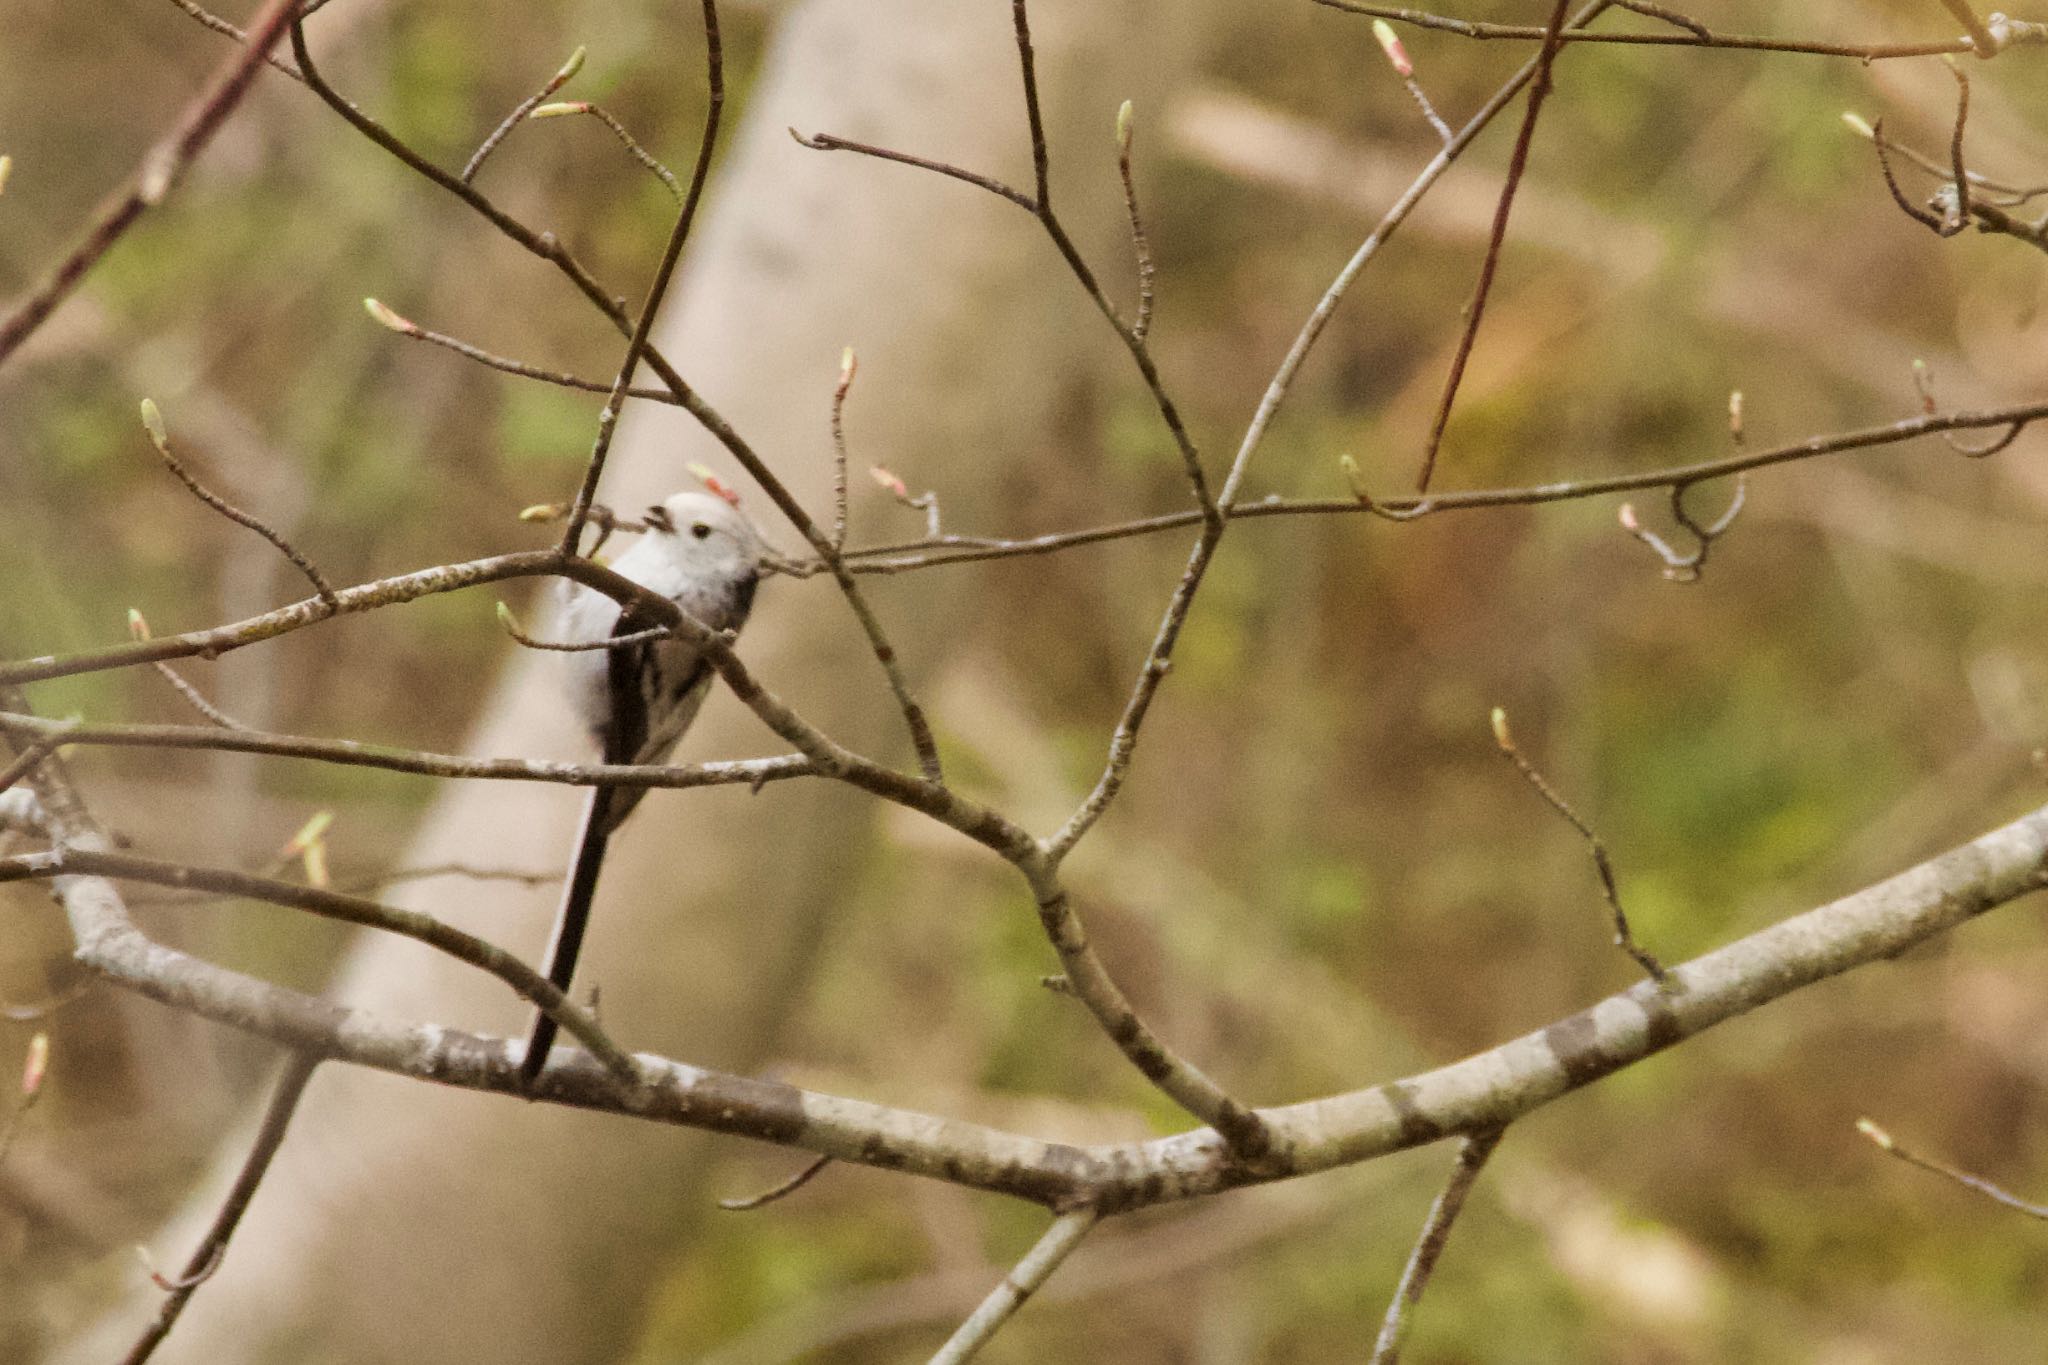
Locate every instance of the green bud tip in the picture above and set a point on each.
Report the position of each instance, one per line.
(1123, 128)
(153, 422)
(1501, 734)
(570, 67)
(1860, 126)
(384, 317)
(560, 110)
(6, 168)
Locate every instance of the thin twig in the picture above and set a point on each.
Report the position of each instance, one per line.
(1669, 16)
(1141, 249)
(159, 437)
(1690, 38)
(637, 637)
(1602, 865)
(66, 861)
(408, 328)
(848, 366)
(197, 699)
(1475, 312)
(1123, 741)
(672, 252)
(562, 77)
(1429, 1246)
(1020, 1284)
(208, 19)
(780, 1190)
(207, 1256)
(618, 130)
(163, 165)
(1886, 1143)
(50, 735)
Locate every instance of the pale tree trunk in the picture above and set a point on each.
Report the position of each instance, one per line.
(403, 1223)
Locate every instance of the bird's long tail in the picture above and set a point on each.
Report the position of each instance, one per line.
(599, 820)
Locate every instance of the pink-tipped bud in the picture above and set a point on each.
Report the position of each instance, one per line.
(569, 68)
(1860, 126)
(713, 485)
(849, 365)
(309, 834)
(1501, 734)
(542, 511)
(1123, 129)
(137, 627)
(561, 110)
(1627, 517)
(1355, 477)
(1875, 1134)
(37, 1067)
(1390, 43)
(896, 486)
(1735, 413)
(6, 169)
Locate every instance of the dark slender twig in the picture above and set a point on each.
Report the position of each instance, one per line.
(1960, 216)
(1020, 1284)
(161, 169)
(638, 637)
(632, 145)
(159, 436)
(1141, 249)
(672, 252)
(1475, 312)
(827, 142)
(1886, 1143)
(212, 1248)
(562, 77)
(1682, 566)
(406, 327)
(208, 19)
(2013, 194)
(1602, 865)
(25, 762)
(780, 1190)
(196, 699)
(1429, 1246)
(1669, 16)
(1690, 38)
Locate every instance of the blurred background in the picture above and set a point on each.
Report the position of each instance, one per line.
(1322, 872)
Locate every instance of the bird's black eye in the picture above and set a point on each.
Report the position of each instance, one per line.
(700, 530)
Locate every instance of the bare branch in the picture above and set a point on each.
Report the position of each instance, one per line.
(565, 74)
(1429, 1246)
(1602, 865)
(207, 1256)
(1886, 1143)
(1475, 311)
(779, 1190)
(159, 437)
(161, 169)
(1020, 1284)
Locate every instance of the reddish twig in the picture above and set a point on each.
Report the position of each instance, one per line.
(161, 169)
(212, 1248)
(1518, 163)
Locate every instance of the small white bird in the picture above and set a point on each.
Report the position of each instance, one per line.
(702, 554)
